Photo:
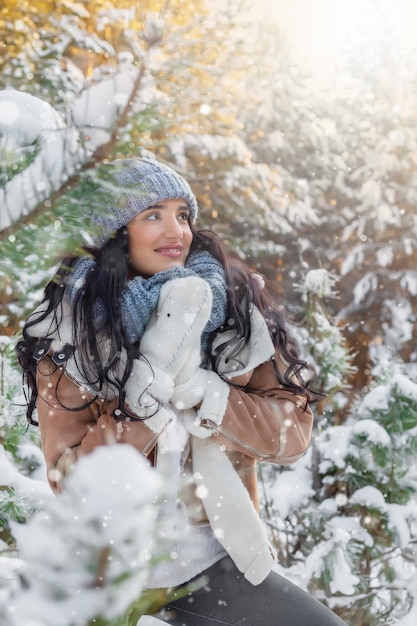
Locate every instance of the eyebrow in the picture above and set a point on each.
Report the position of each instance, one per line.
(161, 206)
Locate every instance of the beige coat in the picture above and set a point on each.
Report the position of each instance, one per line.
(272, 425)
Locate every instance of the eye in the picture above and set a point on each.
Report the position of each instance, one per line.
(184, 216)
(152, 216)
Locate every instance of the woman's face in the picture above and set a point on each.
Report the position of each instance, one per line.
(159, 237)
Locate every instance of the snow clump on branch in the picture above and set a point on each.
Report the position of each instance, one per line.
(86, 554)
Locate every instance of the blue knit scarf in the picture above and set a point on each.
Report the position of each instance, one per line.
(140, 296)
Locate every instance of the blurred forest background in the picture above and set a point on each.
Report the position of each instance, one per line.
(313, 184)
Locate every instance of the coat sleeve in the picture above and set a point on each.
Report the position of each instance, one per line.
(72, 424)
(264, 421)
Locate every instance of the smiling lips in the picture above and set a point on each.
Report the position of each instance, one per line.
(171, 251)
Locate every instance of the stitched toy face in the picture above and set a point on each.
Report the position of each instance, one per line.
(159, 237)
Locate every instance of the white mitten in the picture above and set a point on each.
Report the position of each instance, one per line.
(210, 392)
(194, 390)
(173, 336)
(196, 386)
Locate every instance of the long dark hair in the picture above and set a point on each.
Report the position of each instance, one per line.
(244, 289)
(111, 268)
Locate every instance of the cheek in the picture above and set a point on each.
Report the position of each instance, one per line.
(132, 245)
(136, 250)
(138, 239)
(188, 237)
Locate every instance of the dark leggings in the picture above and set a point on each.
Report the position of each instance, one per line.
(228, 598)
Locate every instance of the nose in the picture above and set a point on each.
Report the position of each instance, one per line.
(174, 229)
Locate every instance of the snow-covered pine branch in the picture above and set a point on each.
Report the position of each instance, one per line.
(86, 554)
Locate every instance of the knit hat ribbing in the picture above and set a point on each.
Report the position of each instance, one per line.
(138, 184)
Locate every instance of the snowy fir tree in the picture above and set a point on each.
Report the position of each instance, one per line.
(344, 519)
(83, 560)
(317, 190)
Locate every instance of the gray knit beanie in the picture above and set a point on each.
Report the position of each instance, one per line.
(136, 185)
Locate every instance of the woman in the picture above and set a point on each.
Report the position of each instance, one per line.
(161, 340)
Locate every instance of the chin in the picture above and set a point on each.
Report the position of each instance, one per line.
(174, 263)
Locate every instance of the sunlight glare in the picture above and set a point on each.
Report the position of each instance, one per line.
(322, 33)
